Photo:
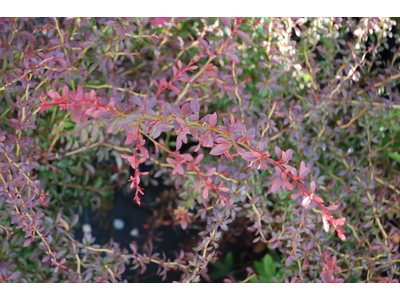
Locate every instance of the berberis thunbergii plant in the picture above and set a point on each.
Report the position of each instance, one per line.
(281, 130)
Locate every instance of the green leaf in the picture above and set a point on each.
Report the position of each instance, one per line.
(266, 268)
(5, 62)
(218, 264)
(216, 275)
(186, 185)
(394, 156)
(77, 170)
(269, 265)
(99, 182)
(254, 280)
(91, 169)
(228, 262)
(118, 159)
(68, 125)
(266, 279)
(263, 279)
(259, 266)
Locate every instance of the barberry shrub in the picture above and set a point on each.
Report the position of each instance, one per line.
(284, 130)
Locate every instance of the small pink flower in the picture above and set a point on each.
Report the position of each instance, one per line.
(340, 222)
(306, 201)
(326, 223)
(133, 181)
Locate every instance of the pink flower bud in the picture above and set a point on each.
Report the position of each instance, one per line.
(326, 223)
(306, 202)
(340, 221)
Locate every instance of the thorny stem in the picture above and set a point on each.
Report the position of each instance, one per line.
(208, 242)
(6, 229)
(61, 36)
(19, 131)
(137, 173)
(269, 117)
(258, 216)
(169, 264)
(22, 172)
(25, 74)
(78, 261)
(57, 132)
(109, 86)
(187, 163)
(178, 74)
(194, 78)
(309, 66)
(31, 227)
(227, 135)
(210, 59)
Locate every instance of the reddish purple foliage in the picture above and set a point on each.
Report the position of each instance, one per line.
(297, 123)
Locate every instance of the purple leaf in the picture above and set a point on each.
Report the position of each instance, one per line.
(227, 22)
(289, 260)
(210, 172)
(251, 156)
(203, 43)
(27, 242)
(277, 184)
(213, 120)
(233, 57)
(195, 106)
(14, 275)
(243, 35)
(216, 151)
